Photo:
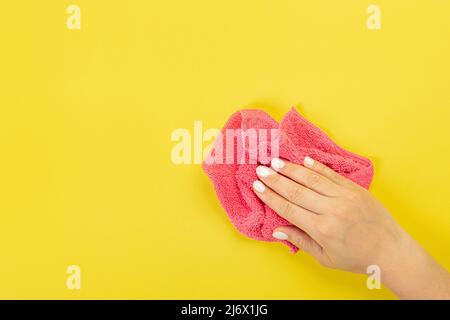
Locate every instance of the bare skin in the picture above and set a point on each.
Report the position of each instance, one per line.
(343, 226)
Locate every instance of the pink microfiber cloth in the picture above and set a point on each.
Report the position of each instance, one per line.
(297, 138)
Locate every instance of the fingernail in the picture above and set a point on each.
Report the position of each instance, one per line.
(259, 186)
(280, 235)
(308, 162)
(263, 171)
(277, 164)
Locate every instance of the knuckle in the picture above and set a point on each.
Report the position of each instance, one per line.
(312, 180)
(295, 193)
(274, 179)
(287, 210)
(298, 241)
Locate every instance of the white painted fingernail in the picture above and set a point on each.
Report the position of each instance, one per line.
(259, 186)
(308, 162)
(280, 235)
(277, 164)
(263, 171)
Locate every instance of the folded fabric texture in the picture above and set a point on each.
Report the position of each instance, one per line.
(294, 138)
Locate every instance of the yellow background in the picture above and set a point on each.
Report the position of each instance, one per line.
(86, 116)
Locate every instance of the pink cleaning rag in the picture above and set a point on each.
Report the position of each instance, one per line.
(297, 138)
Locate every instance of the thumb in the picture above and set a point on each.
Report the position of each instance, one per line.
(300, 239)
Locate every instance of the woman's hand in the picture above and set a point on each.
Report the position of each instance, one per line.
(345, 227)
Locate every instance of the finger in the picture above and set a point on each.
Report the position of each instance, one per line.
(322, 169)
(293, 191)
(313, 180)
(298, 216)
(300, 239)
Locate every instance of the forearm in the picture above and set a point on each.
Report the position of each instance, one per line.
(413, 274)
